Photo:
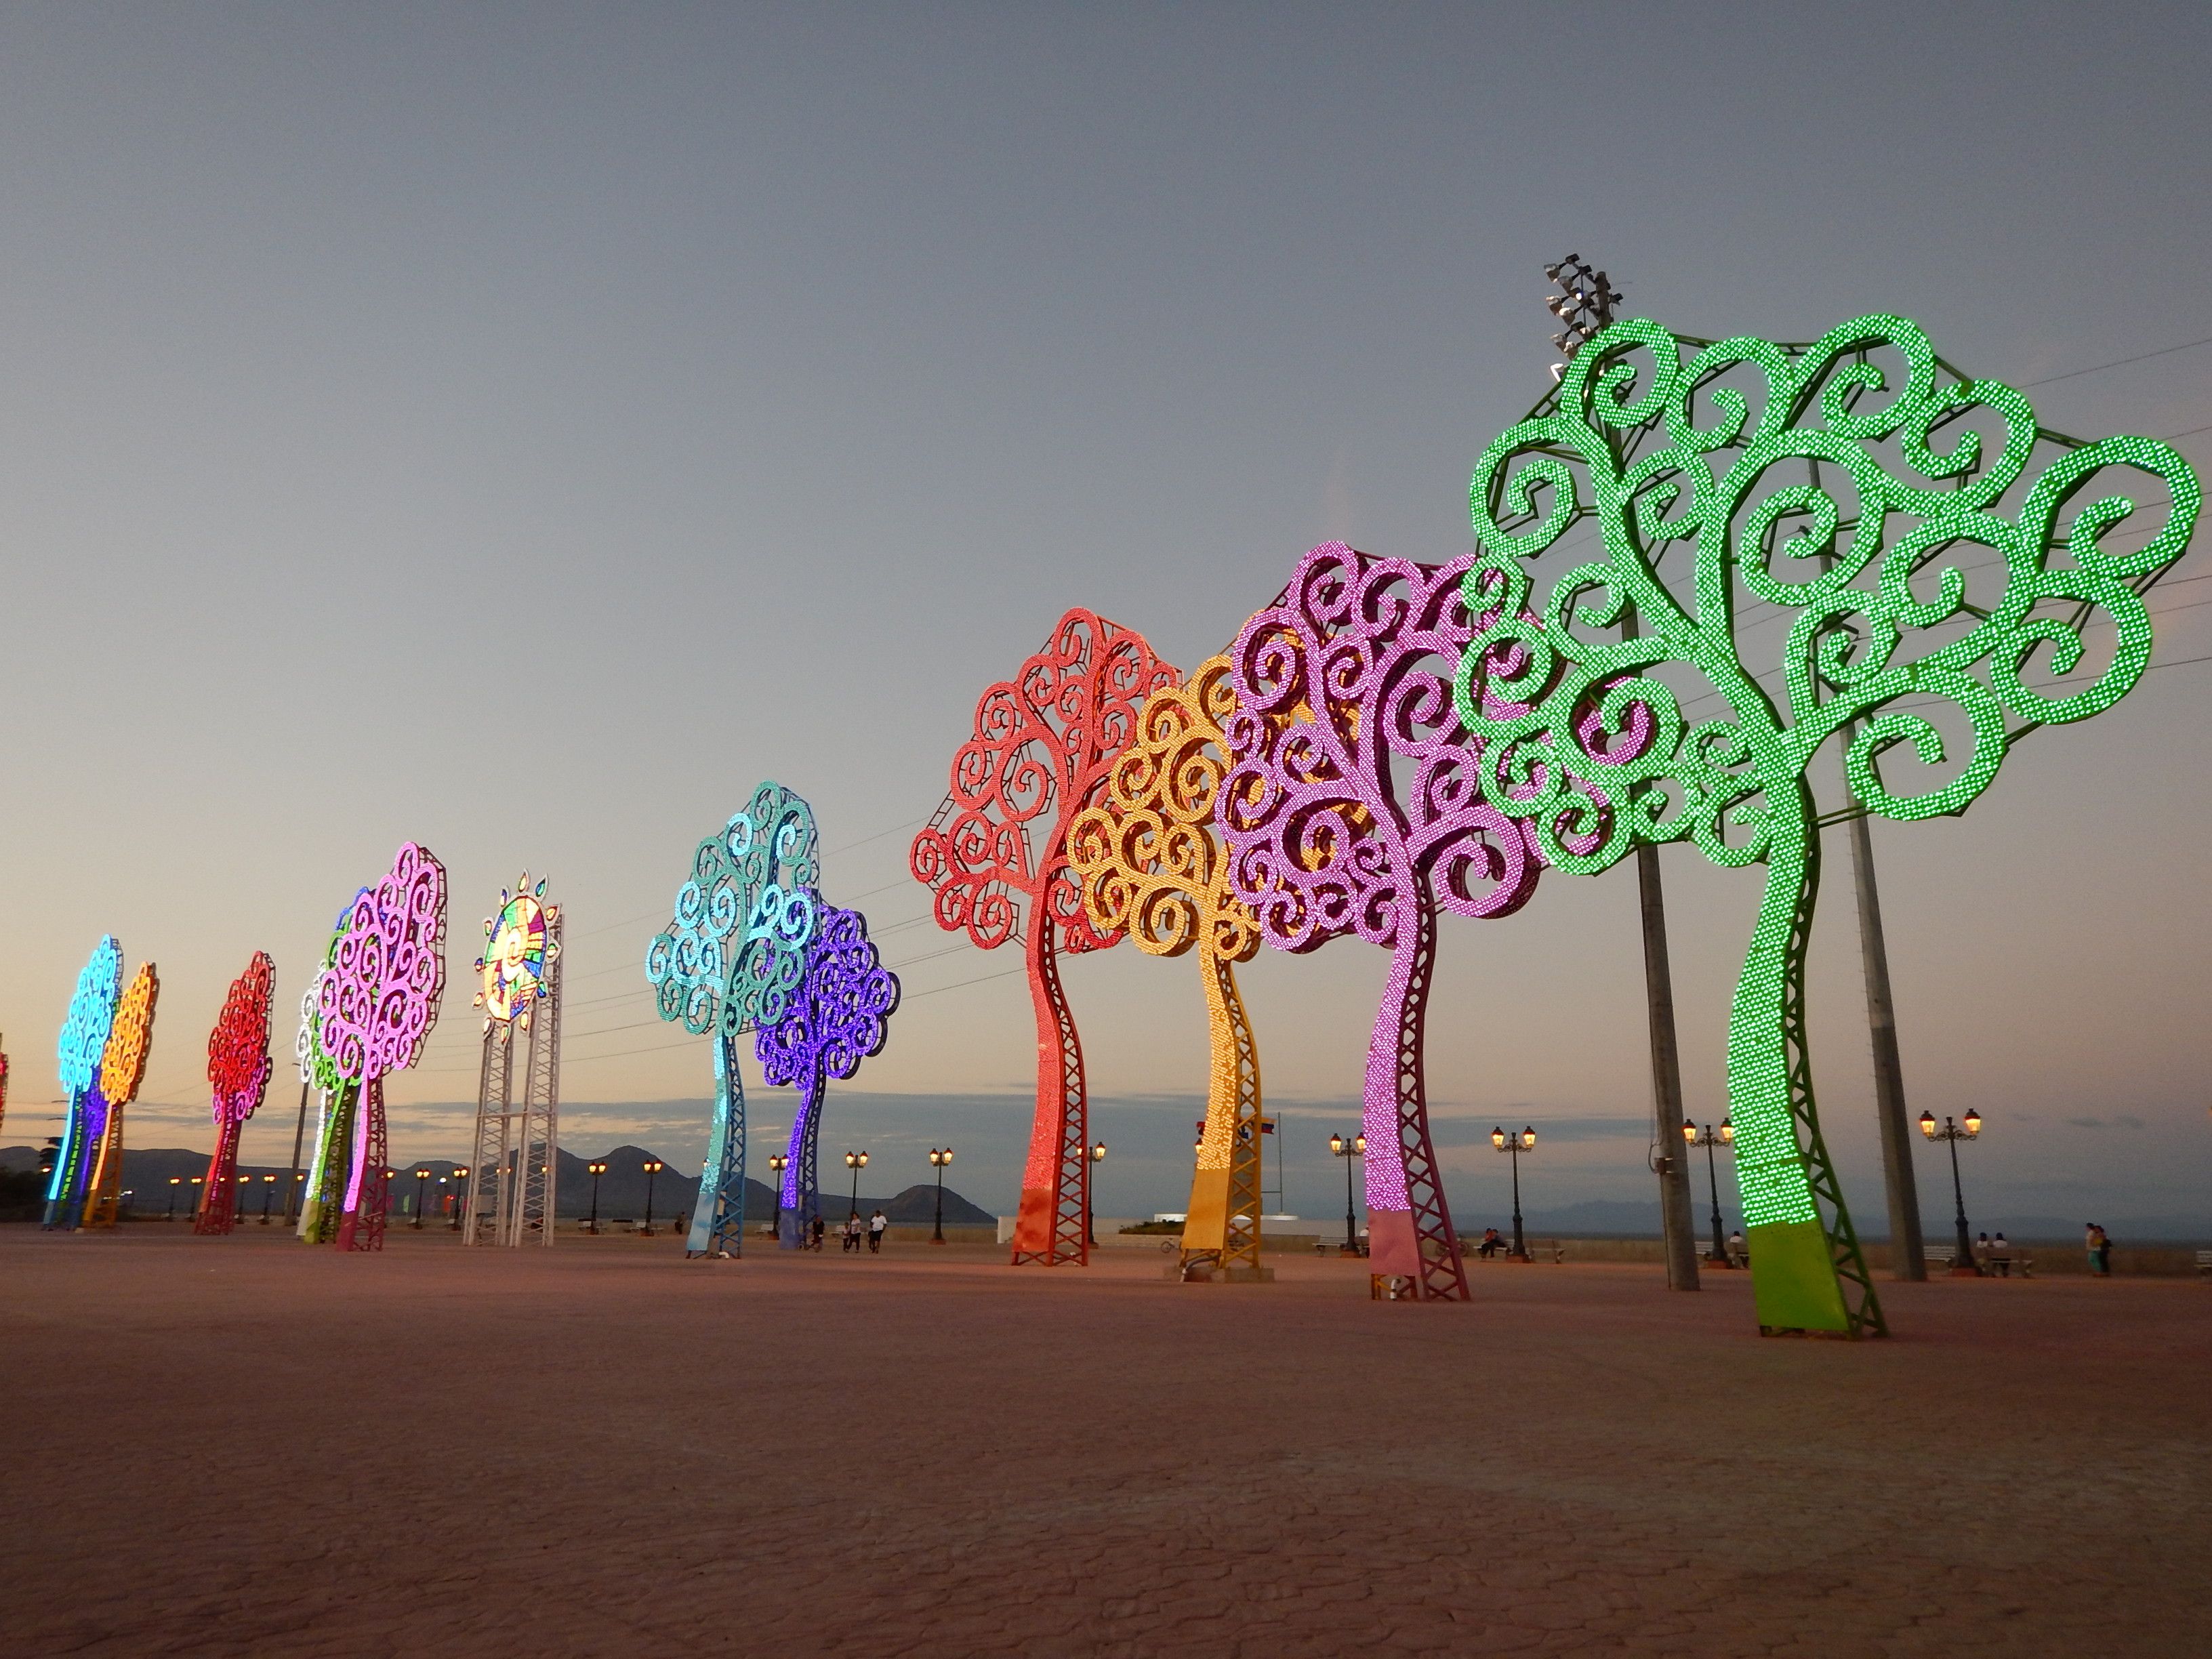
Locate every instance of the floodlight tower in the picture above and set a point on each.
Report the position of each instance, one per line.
(1584, 306)
(517, 1160)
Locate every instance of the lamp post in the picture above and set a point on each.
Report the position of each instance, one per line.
(198, 1198)
(856, 1161)
(1089, 1210)
(938, 1160)
(1348, 1150)
(422, 1186)
(460, 1193)
(267, 1196)
(653, 1166)
(1513, 1146)
(777, 1163)
(1709, 1138)
(175, 1181)
(1966, 1129)
(595, 1169)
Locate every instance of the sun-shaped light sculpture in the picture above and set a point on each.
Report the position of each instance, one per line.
(517, 953)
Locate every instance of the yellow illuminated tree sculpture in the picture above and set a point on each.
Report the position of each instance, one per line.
(1151, 863)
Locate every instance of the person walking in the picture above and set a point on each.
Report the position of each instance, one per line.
(852, 1233)
(2001, 1256)
(2091, 1236)
(2103, 1254)
(818, 1231)
(877, 1224)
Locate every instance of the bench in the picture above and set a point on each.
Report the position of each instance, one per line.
(1539, 1249)
(1946, 1255)
(2204, 1261)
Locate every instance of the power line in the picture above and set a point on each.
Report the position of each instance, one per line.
(2116, 362)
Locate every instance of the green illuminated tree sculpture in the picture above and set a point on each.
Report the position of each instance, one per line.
(1935, 556)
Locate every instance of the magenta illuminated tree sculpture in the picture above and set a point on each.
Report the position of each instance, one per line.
(238, 1076)
(996, 857)
(1354, 807)
(377, 1001)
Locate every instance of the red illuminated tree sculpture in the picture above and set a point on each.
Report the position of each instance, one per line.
(238, 1074)
(996, 857)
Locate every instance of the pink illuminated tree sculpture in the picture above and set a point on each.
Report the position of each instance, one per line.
(237, 1075)
(378, 1000)
(1354, 806)
(996, 857)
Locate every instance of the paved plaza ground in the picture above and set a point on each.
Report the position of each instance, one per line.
(246, 1446)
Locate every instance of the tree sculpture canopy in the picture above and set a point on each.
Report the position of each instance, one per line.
(238, 1047)
(123, 1059)
(1040, 745)
(1152, 865)
(1355, 807)
(841, 1017)
(378, 1000)
(732, 961)
(1862, 524)
(91, 1016)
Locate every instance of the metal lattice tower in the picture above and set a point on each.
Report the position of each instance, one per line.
(513, 1184)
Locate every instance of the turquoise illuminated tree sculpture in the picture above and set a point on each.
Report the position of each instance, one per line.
(1883, 506)
(730, 962)
(83, 1043)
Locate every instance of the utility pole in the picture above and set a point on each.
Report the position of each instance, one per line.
(299, 1134)
(1908, 1256)
(1584, 306)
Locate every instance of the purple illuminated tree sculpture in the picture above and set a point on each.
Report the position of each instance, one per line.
(378, 1000)
(1354, 807)
(841, 1017)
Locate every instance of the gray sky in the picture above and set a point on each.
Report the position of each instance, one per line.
(523, 430)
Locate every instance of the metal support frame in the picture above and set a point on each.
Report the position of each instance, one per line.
(512, 1198)
(1443, 1273)
(1060, 1089)
(219, 1209)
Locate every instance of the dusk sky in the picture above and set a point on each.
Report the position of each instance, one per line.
(523, 430)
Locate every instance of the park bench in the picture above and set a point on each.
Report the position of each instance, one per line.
(2204, 1261)
(1945, 1255)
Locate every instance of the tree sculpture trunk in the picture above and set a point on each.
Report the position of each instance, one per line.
(1056, 1180)
(718, 1219)
(1807, 1274)
(1409, 1227)
(219, 1210)
(1223, 1226)
(802, 1192)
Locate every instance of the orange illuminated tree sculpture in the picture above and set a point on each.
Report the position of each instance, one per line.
(122, 1069)
(996, 857)
(1153, 865)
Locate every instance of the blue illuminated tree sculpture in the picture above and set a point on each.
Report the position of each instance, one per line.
(730, 962)
(839, 1017)
(83, 1044)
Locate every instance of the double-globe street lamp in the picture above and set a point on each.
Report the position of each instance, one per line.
(653, 1166)
(1710, 1138)
(856, 1161)
(175, 1181)
(1966, 1129)
(939, 1158)
(422, 1186)
(1089, 1209)
(460, 1193)
(268, 1193)
(777, 1163)
(1515, 1146)
(595, 1169)
(1348, 1150)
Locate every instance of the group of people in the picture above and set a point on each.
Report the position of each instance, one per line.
(2100, 1246)
(849, 1235)
(1993, 1255)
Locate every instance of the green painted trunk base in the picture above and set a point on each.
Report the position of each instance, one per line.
(1793, 1278)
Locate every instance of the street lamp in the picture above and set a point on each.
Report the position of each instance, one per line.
(1089, 1230)
(1348, 1150)
(268, 1193)
(460, 1192)
(1709, 1139)
(175, 1181)
(777, 1163)
(938, 1160)
(653, 1166)
(1513, 1146)
(856, 1161)
(421, 1185)
(596, 1170)
(198, 1199)
(1964, 1263)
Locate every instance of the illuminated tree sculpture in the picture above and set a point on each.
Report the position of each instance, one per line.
(730, 962)
(1353, 808)
(841, 1017)
(122, 1069)
(1881, 506)
(83, 1043)
(1152, 865)
(237, 1075)
(377, 1001)
(335, 1098)
(1043, 742)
